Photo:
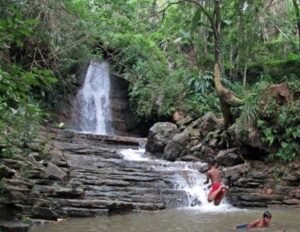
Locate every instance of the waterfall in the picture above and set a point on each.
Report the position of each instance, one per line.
(92, 103)
(185, 177)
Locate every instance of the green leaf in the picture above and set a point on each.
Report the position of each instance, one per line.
(227, 22)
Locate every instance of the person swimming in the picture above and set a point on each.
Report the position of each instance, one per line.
(258, 223)
(262, 222)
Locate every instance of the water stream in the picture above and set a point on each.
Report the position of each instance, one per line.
(187, 178)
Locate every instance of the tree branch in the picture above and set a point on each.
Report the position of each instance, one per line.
(198, 3)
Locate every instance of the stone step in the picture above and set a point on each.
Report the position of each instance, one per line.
(81, 203)
(82, 212)
(14, 226)
(96, 181)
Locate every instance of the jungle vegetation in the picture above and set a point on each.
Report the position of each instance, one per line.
(196, 56)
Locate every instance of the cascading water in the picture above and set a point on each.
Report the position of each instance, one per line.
(93, 113)
(94, 116)
(185, 177)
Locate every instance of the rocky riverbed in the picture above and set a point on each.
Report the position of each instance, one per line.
(81, 176)
(68, 174)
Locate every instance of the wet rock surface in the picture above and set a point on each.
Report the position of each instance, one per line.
(254, 185)
(252, 181)
(84, 176)
(9, 226)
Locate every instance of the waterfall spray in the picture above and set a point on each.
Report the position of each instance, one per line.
(93, 102)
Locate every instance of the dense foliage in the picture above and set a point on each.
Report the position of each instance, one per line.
(274, 117)
(164, 48)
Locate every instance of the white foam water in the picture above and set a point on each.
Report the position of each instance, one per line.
(92, 103)
(186, 177)
(134, 155)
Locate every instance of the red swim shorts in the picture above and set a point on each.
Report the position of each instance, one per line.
(215, 187)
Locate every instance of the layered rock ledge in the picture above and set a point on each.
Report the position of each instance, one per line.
(80, 175)
(254, 180)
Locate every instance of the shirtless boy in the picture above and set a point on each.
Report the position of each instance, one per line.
(218, 190)
(258, 223)
(262, 222)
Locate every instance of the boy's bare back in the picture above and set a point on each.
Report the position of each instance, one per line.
(214, 175)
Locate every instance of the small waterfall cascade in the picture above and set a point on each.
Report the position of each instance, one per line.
(93, 113)
(185, 176)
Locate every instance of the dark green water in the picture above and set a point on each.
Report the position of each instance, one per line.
(177, 220)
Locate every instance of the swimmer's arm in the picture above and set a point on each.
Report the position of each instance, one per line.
(253, 224)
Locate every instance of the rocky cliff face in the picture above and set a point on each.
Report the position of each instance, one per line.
(254, 181)
(256, 184)
(124, 122)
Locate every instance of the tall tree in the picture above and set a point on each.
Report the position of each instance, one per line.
(297, 13)
(227, 97)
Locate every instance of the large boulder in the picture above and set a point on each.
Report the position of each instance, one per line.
(246, 136)
(228, 157)
(207, 123)
(184, 122)
(176, 146)
(159, 135)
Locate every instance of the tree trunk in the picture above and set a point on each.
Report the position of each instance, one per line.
(227, 97)
(231, 61)
(245, 74)
(240, 43)
(154, 6)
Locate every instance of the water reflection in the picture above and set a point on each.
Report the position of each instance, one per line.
(176, 220)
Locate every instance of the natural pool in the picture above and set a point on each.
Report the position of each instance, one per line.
(203, 218)
(177, 220)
